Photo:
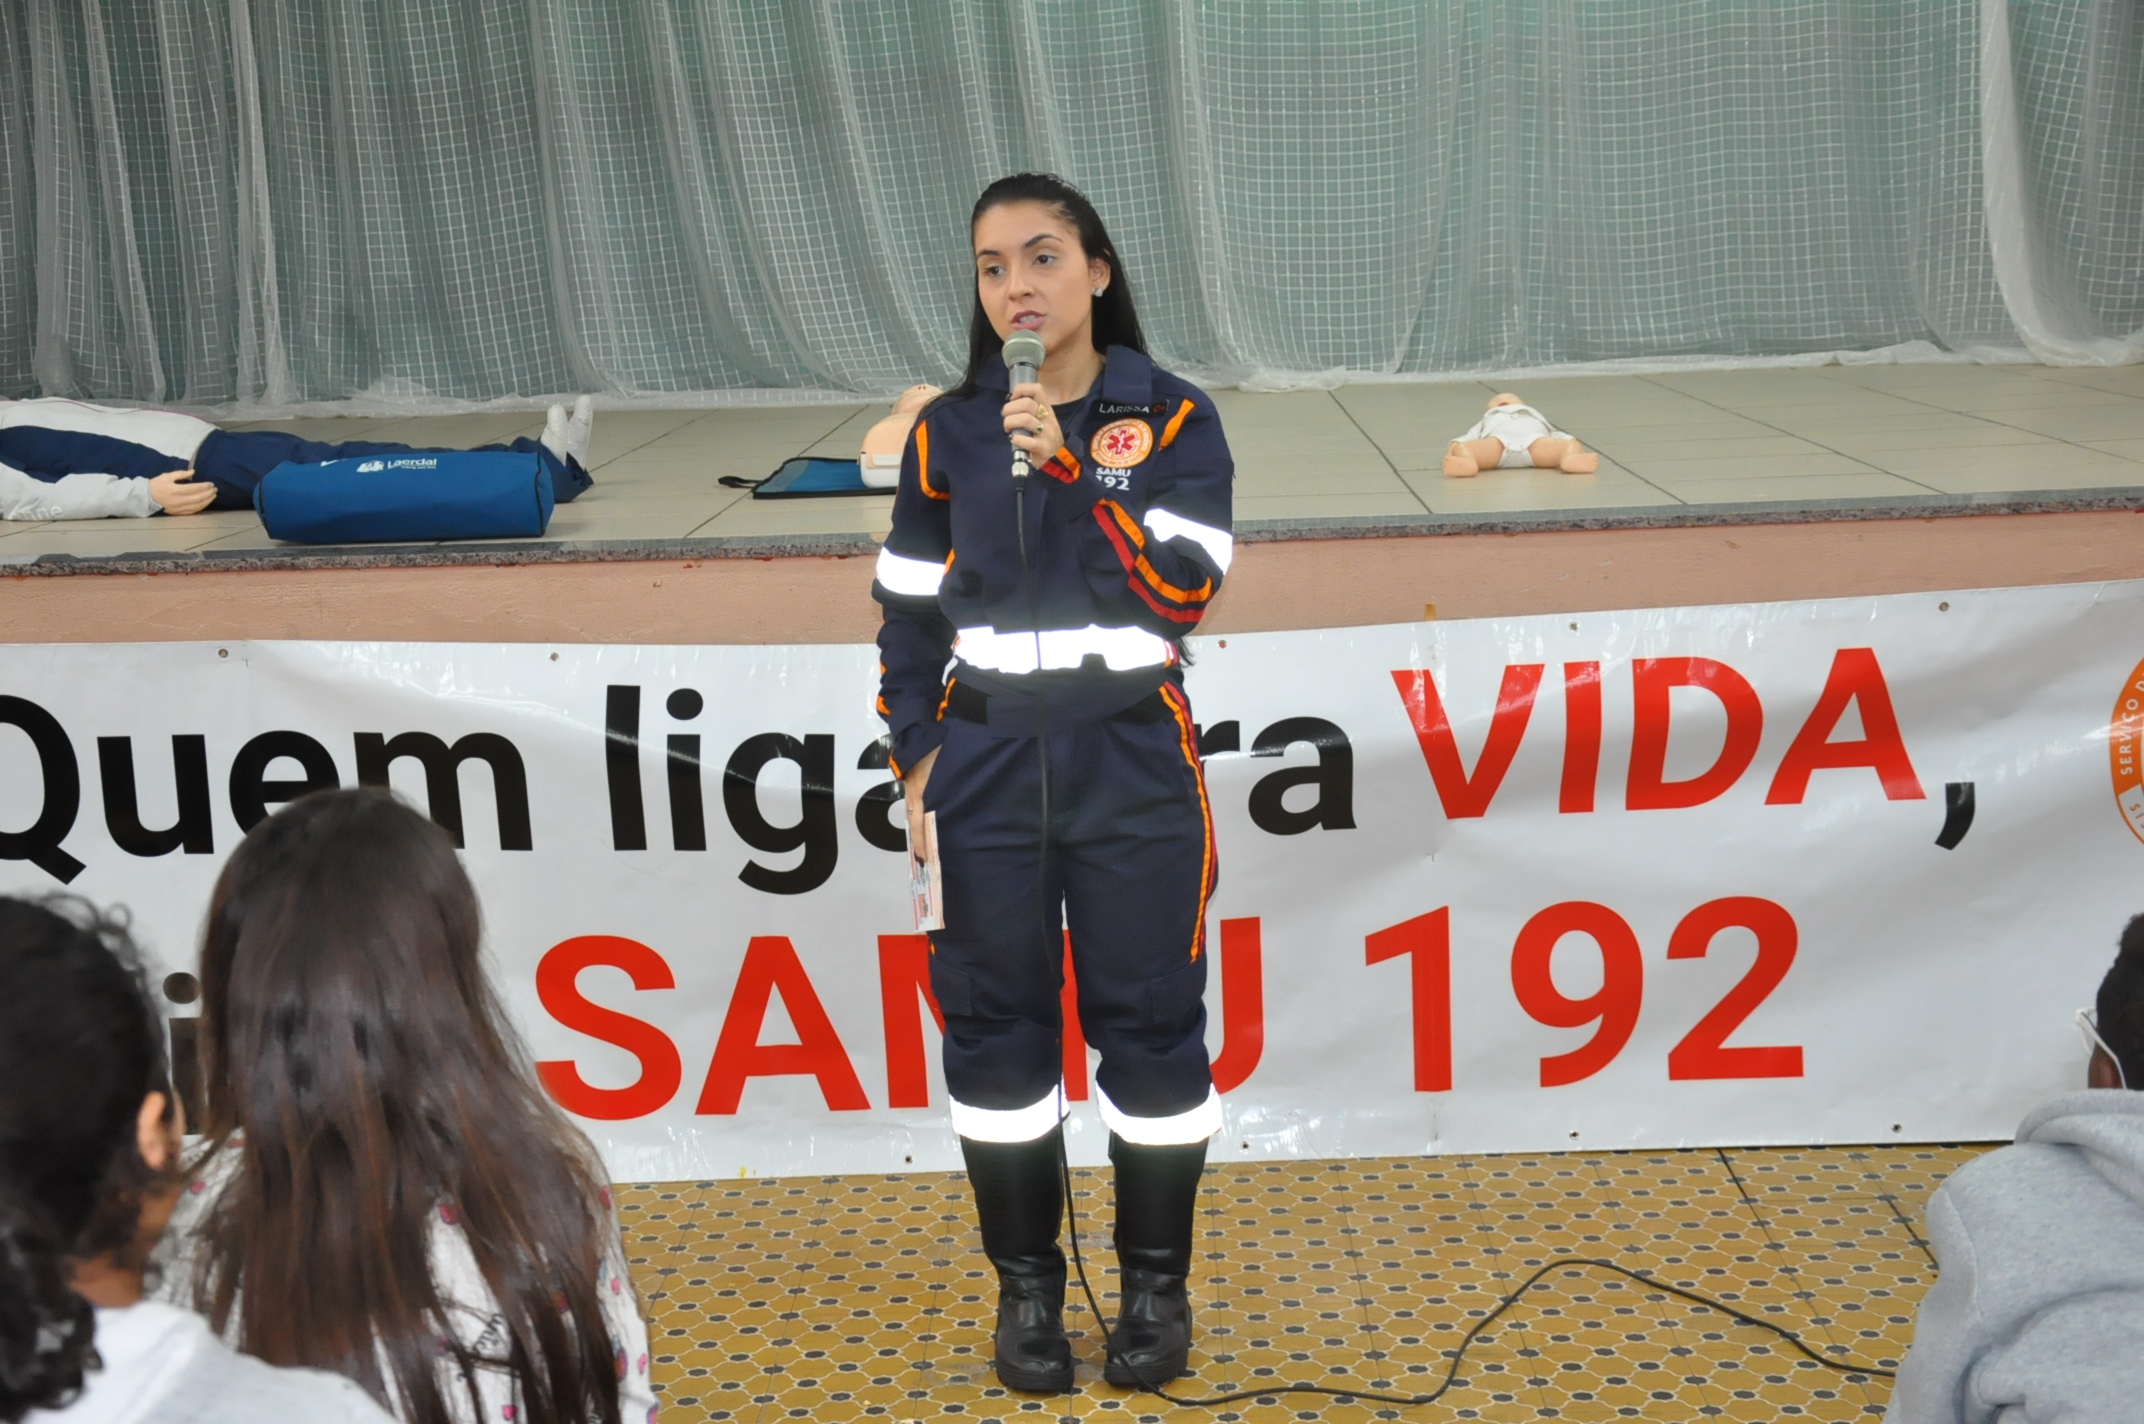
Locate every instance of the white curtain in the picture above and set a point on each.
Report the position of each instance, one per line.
(256, 203)
(2062, 100)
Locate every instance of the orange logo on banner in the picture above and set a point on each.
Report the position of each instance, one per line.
(1122, 444)
(2125, 749)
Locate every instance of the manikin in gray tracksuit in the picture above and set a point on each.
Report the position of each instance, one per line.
(2038, 1311)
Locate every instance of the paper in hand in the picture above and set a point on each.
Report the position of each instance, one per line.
(926, 888)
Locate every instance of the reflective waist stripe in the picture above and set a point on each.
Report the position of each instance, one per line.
(1121, 648)
(1196, 1125)
(917, 578)
(1009, 1124)
(1217, 542)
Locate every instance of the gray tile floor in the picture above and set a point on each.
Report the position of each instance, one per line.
(1710, 437)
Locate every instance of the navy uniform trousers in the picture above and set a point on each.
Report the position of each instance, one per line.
(235, 461)
(1129, 869)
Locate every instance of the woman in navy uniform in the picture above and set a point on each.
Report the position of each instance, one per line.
(1000, 661)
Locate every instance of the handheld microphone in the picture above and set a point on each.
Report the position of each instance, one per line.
(1023, 358)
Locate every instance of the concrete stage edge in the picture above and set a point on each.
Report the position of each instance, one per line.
(1306, 582)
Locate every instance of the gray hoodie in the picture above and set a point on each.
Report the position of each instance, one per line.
(2038, 1312)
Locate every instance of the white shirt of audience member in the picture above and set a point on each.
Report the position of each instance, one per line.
(163, 1364)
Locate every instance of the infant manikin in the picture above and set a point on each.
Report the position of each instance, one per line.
(1512, 435)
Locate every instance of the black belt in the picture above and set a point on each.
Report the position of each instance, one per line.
(970, 705)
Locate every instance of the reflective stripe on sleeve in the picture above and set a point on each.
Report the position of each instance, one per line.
(1217, 542)
(1120, 648)
(1176, 1130)
(917, 578)
(1012, 1124)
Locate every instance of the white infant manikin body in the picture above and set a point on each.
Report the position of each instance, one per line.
(1513, 435)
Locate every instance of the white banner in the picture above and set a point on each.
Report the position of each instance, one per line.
(1781, 873)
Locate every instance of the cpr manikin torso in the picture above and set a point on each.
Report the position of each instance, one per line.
(881, 455)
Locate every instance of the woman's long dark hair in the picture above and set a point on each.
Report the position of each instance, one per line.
(1116, 319)
(350, 1035)
(80, 1048)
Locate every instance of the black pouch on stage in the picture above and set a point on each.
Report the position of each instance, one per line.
(807, 477)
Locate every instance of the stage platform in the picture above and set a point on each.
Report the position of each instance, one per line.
(1706, 447)
(848, 1298)
(1715, 487)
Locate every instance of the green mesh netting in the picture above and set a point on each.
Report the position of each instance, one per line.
(270, 201)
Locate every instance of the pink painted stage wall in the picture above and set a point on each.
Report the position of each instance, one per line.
(1310, 583)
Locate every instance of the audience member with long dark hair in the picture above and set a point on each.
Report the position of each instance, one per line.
(89, 1140)
(386, 1191)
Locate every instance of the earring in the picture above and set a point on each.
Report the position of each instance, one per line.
(1099, 290)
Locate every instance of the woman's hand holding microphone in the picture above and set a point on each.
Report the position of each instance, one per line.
(1032, 424)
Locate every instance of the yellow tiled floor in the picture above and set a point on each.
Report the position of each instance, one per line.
(844, 1298)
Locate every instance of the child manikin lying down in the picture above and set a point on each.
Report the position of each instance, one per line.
(1513, 435)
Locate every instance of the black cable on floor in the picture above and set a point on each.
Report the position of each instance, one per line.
(1911, 1234)
(1727, 1164)
(1451, 1375)
(1802, 1292)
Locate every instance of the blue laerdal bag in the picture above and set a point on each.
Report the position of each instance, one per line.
(443, 494)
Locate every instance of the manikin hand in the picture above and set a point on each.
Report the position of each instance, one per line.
(180, 493)
(912, 786)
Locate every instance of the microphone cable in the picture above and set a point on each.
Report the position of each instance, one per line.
(1458, 1355)
(1054, 964)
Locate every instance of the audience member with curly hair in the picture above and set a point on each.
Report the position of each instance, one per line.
(89, 1140)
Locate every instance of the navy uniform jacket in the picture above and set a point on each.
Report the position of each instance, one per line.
(1128, 534)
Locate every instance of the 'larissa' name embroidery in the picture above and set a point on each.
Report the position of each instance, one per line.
(1122, 444)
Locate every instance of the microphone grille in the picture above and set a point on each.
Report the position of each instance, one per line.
(1023, 348)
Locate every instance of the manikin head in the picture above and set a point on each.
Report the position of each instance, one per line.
(2120, 1011)
(1504, 398)
(910, 402)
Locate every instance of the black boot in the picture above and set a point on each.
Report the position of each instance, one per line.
(1020, 1202)
(1157, 1194)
